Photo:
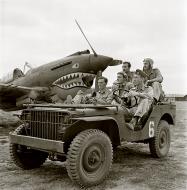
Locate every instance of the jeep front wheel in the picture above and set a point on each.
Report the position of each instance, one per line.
(25, 157)
(89, 157)
(160, 144)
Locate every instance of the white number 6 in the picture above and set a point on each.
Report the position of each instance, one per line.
(151, 129)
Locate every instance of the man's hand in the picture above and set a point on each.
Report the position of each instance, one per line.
(94, 101)
(114, 92)
(148, 82)
(132, 93)
(114, 87)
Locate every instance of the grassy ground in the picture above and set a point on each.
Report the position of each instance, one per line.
(8, 119)
(133, 166)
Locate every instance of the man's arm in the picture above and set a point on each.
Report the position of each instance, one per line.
(99, 100)
(148, 94)
(158, 77)
(106, 99)
(110, 98)
(129, 86)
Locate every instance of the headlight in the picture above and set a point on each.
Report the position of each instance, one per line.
(26, 116)
(66, 119)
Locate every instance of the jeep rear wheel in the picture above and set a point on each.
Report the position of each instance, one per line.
(160, 144)
(89, 157)
(25, 157)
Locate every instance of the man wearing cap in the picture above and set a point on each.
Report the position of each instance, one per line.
(144, 96)
(120, 86)
(126, 66)
(154, 78)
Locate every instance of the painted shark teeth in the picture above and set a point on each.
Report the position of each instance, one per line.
(72, 76)
(72, 80)
(72, 85)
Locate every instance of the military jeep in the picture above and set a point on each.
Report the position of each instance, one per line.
(84, 136)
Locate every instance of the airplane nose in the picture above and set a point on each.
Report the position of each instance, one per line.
(104, 59)
(100, 61)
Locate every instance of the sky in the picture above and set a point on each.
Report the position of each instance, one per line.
(44, 30)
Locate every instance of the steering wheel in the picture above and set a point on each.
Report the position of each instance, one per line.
(126, 101)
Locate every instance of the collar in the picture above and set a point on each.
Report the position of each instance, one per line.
(129, 72)
(140, 88)
(102, 91)
(148, 72)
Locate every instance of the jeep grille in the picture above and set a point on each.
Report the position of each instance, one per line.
(45, 124)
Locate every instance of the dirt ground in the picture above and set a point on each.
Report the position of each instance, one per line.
(133, 167)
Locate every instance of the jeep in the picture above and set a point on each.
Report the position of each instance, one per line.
(85, 136)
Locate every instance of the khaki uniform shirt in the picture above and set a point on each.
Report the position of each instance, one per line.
(154, 74)
(146, 91)
(122, 89)
(130, 76)
(102, 97)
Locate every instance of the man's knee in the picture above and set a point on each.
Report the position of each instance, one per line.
(144, 102)
(144, 105)
(126, 112)
(157, 89)
(156, 85)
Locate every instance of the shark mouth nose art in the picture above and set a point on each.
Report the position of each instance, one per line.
(75, 80)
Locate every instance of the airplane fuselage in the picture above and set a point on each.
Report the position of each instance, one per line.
(62, 77)
(47, 74)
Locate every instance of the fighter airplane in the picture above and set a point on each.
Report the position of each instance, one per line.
(62, 77)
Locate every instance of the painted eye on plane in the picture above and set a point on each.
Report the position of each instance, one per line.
(75, 66)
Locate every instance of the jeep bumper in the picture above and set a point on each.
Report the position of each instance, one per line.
(37, 143)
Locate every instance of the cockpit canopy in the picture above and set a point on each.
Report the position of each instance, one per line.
(80, 53)
(17, 73)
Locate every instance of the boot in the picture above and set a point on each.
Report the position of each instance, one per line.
(138, 125)
(131, 125)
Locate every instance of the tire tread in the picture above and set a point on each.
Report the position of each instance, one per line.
(12, 151)
(73, 154)
(153, 143)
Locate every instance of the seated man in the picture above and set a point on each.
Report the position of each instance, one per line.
(122, 80)
(144, 96)
(154, 78)
(102, 96)
(126, 66)
(120, 86)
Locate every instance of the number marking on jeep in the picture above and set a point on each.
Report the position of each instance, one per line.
(151, 129)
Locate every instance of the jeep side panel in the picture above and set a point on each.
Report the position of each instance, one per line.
(159, 112)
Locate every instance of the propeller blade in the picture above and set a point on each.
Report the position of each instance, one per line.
(115, 62)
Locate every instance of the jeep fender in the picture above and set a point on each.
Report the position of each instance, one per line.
(104, 123)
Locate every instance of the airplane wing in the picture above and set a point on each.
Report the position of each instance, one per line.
(13, 96)
(115, 62)
(9, 90)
